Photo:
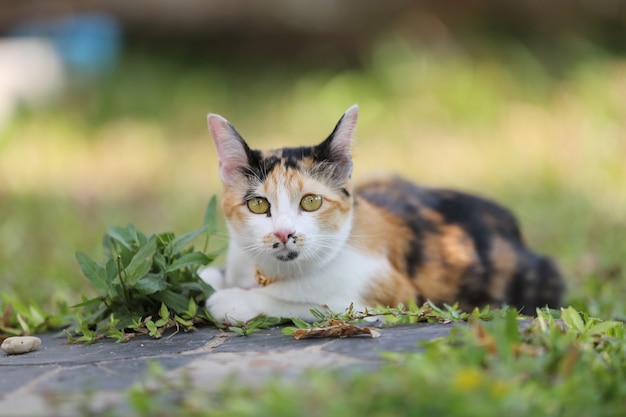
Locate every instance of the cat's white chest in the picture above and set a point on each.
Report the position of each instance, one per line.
(342, 282)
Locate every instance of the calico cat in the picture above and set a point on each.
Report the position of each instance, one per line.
(302, 237)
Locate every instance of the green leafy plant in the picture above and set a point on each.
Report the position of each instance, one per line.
(254, 325)
(149, 283)
(18, 318)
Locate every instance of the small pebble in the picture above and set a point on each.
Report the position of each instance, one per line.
(20, 344)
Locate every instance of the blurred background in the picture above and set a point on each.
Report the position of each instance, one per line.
(103, 107)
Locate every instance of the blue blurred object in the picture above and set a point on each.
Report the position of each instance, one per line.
(88, 43)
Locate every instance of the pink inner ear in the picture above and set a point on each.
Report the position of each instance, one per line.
(230, 149)
(342, 142)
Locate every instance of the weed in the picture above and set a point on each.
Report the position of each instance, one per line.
(148, 284)
(390, 316)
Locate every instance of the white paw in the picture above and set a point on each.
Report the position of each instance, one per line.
(232, 305)
(215, 277)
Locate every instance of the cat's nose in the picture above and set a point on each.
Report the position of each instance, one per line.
(284, 235)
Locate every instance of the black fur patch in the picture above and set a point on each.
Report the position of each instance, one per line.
(289, 257)
(259, 167)
(292, 163)
(297, 153)
(403, 199)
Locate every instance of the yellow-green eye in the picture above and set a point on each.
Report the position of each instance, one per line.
(258, 205)
(311, 202)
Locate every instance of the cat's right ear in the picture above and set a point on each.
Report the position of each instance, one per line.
(232, 150)
(336, 148)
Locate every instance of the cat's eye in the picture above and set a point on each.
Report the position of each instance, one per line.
(258, 205)
(311, 202)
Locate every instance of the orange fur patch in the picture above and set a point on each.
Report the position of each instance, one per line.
(504, 263)
(387, 236)
(234, 207)
(450, 256)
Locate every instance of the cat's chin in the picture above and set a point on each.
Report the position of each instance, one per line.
(289, 256)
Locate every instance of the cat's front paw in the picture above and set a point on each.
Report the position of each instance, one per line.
(215, 277)
(232, 305)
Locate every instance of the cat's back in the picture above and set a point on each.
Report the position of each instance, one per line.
(424, 207)
(455, 246)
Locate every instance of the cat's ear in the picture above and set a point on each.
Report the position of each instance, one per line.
(232, 150)
(337, 147)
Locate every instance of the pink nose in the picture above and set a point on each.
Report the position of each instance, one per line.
(284, 235)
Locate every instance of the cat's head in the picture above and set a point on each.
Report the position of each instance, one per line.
(287, 206)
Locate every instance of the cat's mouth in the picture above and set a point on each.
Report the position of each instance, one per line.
(289, 256)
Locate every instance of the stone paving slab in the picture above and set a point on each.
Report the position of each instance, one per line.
(209, 356)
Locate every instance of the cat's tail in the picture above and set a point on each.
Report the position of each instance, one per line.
(538, 284)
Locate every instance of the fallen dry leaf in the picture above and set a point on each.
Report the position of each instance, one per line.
(336, 328)
(483, 338)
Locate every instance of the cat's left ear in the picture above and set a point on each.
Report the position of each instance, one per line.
(337, 147)
(232, 150)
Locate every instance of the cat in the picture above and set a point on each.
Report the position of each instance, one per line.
(302, 236)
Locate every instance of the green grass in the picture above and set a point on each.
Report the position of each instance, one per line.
(499, 120)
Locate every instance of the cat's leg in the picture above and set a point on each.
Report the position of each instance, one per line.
(238, 304)
(215, 277)
(239, 271)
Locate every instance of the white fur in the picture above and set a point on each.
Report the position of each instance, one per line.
(334, 286)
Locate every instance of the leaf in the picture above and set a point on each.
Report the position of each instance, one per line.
(23, 323)
(238, 330)
(141, 238)
(153, 330)
(454, 313)
(164, 239)
(151, 283)
(164, 312)
(89, 302)
(572, 318)
(289, 331)
(177, 245)
(189, 259)
(160, 323)
(210, 216)
(262, 322)
(175, 301)
(192, 309)
(301, 324)
(200, 286)
(317, 314)
(603, 327)
(336, 328)
(110, 271)
(141, 263)
(482, 337)
(94, 272)
(511, 326)
(183, 322)
(37, 317)
(215, 253)
(160, 261)
(127, 236)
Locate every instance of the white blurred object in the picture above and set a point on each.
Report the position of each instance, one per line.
(31, 73)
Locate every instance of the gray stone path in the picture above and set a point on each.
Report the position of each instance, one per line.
(29, 382)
